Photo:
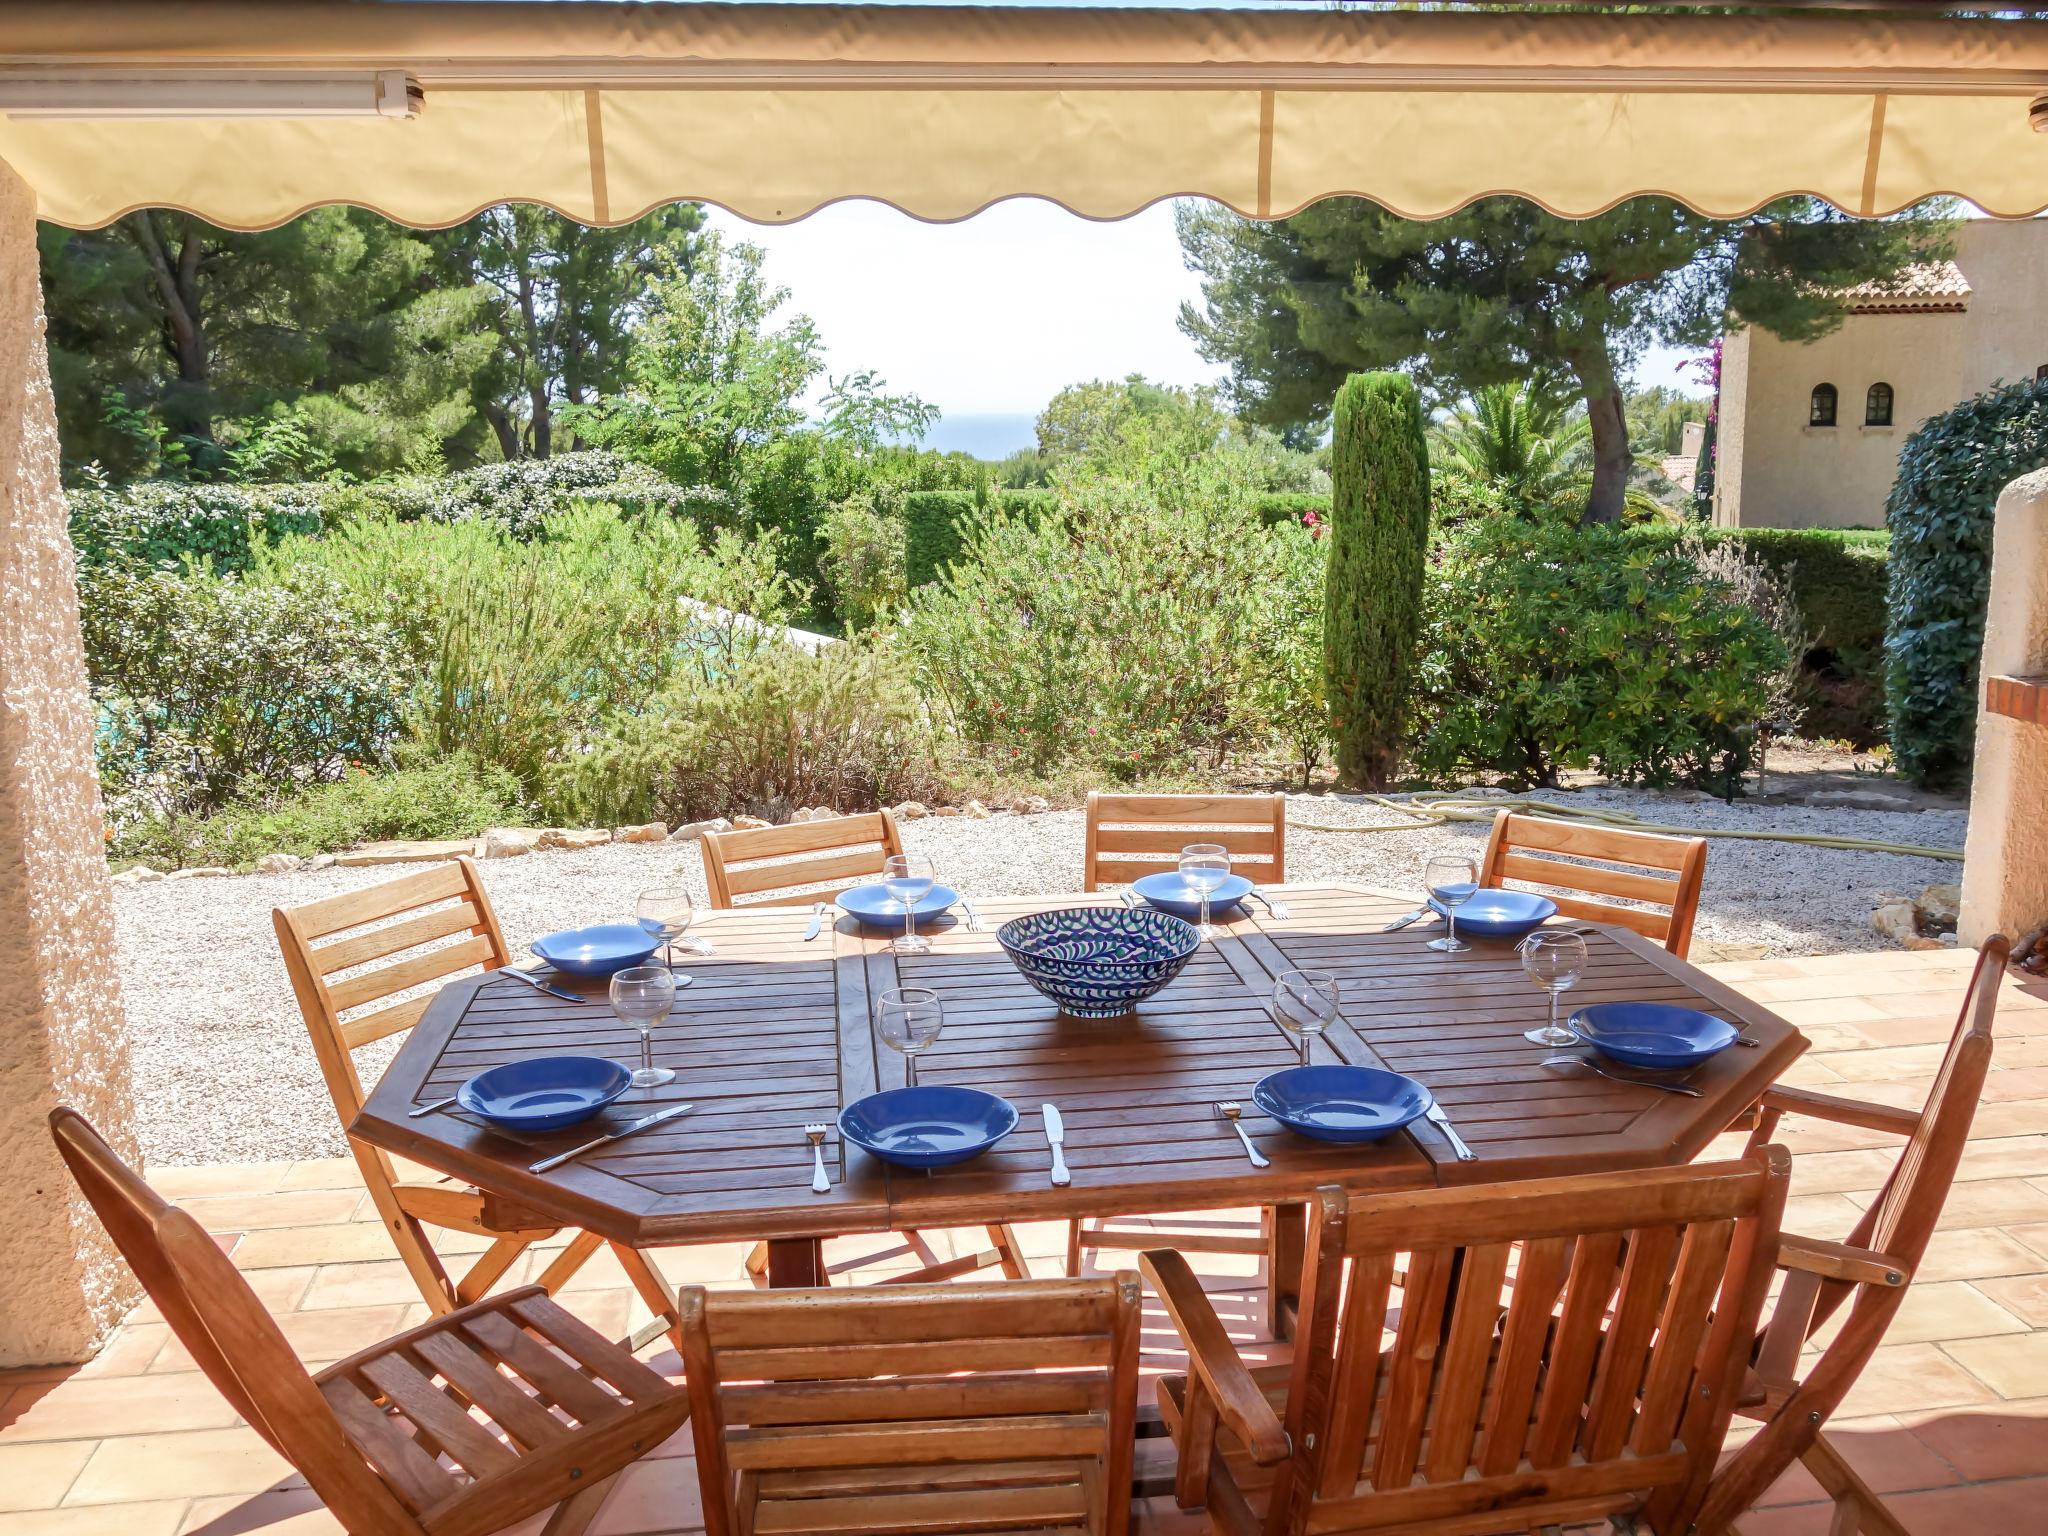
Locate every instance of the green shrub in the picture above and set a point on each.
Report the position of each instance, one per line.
(1940, 512)
(1379, 538)
(938, 524)
(450, 797)
(163, 523)
(1292, 507)
(208, 685)
(1551, 647)
(862, 561)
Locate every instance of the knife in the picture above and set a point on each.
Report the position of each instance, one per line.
(817, 920)
(620, 1134)
(1436, 1117)
(535, 982)
(1402, 922)
(1055, 1135)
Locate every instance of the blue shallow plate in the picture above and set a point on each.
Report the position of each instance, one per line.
(597, 951)
(544, 1093)
(928, 1126)
(1492, 914)
(1341, 1103)
(1655, 1035)
(1170, 892)
(873, 905)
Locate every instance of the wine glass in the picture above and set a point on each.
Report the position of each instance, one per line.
(1305, 1004)
(1204, 866)
(1453, 880)
(643, 995)
(665, 911)
(908, 1019)
(1553, 959)
(909, 879)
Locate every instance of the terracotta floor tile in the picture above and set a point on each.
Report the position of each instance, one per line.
(88, 1407)
(196, 1464)
(278, 1289)
(1903, 1377)
(182, 1184)
(319, 1337)
(1828, 1173)
(1881, 1449)
(2024, 1083)
(322, 1173)
(1976, 1252)
(1993, 1203)
(255, 1213)
(657, 1495)
(38, 1476)
(2015, 1367)
(157, 1518)
(385, 1282)
(1161, 1517)
(1788, 1520)
(2015, 1117)
(1936, 1312)
(2016, 1508)
(2009, 1440)
(273, 1512)
(343, 1243)
(127, 1353)
(2025, 1296)
(1823, 1216)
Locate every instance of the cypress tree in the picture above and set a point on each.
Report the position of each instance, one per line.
(1372, 600)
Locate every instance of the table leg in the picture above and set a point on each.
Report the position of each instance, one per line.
(796, 1263)
(1286, 1232)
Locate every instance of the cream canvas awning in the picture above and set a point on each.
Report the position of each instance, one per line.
(603, 111)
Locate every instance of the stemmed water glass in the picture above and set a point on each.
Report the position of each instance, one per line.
(643, 996)
(1553, 959)
(1205, 866)
(665, 911)
(1305, 1004)
(909, 879)
(908, 1019)
(1453, 880)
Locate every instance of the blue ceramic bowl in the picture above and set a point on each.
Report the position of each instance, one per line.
(597, 951)
(1341, 1103)
(1170, 892)
(1098, 962)
(927, 1126)
(1492, 914)
(544, 1093)
(1659, 1036)
(874, 906)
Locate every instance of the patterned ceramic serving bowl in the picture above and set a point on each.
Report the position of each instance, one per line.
(1098, 962)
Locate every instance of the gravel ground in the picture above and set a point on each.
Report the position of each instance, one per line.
(224, 1072)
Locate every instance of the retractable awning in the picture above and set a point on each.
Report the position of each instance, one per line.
(604, 110)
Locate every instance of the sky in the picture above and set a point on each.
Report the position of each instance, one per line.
(994, 315)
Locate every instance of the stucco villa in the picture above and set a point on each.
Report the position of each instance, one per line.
(1810, 431)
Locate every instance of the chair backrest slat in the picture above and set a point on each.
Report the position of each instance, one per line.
(1598, 862)
(1625, 1297)
(835, 854)
(1144, 834)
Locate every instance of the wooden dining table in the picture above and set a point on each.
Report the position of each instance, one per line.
(773, 1033)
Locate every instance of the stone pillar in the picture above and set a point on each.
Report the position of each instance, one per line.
(2005, 866)
(63, 1034)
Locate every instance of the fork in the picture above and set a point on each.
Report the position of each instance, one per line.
(1277, 910)
(1230, 1110)
(1614, 1077)
(821, 1183)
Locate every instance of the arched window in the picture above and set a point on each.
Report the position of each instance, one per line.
(1877, 406)
(1820, 411)
(2041, 372)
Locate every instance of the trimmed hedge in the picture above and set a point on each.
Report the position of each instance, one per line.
(935, 526)
(1291, 507)
(1951, 471)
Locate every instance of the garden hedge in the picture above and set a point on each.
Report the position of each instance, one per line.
(1951, 471)
(935, 526)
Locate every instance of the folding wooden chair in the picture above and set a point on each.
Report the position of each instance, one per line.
(1603, 1388)
(1636, 866)
(764, 865)
(1001, 1408)
(1869, 1273)
(467, 1424)
(1130, 836)
(417, 929)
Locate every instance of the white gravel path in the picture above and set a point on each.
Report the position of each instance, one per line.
(224, 1072)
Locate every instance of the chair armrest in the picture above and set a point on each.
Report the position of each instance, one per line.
(1858, 1112)
(1841, 1261)
(1213, 1359)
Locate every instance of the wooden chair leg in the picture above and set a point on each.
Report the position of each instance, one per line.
(1073, 1248)
(573, 1515)
(757, 1261)
(1857, 1506)
(568, 1261)
(1009, 1251)
(490, 1267)
(659, 1295)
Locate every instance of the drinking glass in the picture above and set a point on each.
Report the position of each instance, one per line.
(1204, 866)
(1305, 1004)
(643, 996)
(665, 911)
(1553, 960)
(1453, 880)
(908, 1019)
(909, 879)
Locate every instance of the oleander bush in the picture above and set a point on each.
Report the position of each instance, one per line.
(1549, 647)
(1951, 471)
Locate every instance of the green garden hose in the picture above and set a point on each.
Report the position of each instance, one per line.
(1437, 807)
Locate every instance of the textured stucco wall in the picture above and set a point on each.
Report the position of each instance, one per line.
(2005, 864)
(62, 1029)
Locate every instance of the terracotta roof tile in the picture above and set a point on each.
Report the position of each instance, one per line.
(1930, 285)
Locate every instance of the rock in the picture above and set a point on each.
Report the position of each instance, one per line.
(912, 810)
(1940, 906)
(651, 832)
(1898, 921)
(1031, 805)
(1921, 941)
(976, 810)
(1859, 800)
(823, 813)
(574, 838)
(1948, 940)
(199, 872)
(946, 810)
(693, 831)
(278, 863)
(507, 842)
(321, 861)
(404, 853)
(749, 823)
(141, 874)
